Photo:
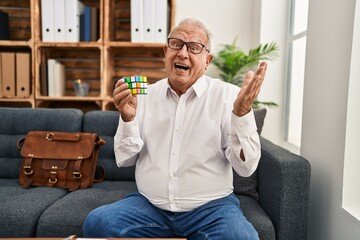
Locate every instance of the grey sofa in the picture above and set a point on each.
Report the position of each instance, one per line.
(275, 199)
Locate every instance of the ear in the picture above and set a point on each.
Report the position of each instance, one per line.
(209, 59)
(165, 48)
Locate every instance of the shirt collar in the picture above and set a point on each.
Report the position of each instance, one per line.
(198, 87)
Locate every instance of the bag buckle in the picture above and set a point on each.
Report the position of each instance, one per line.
(49, 136)
(52, 178)
(77, 175)
(28, 170)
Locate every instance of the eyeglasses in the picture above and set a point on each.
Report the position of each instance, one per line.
(192, 47)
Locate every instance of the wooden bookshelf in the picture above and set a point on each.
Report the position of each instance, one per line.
(99, 63)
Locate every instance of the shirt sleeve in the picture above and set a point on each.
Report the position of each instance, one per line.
(244, 137)
(127, 143)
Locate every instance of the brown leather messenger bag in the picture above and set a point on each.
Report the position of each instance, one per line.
(59, 159)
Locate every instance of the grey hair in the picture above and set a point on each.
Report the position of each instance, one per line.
(197, 23)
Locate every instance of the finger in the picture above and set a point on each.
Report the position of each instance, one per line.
(247, 80)
(125, 100)
(120, 86)
(262, 70)
(120, 97)
(256, 85)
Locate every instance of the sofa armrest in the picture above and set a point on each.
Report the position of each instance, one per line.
(283, 186)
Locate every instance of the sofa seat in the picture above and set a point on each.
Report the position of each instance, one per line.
(257, 216)
(65, 217)
(21, 208)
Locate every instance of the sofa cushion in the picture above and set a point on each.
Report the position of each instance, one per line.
(259, 219)
(66, 216)
(17, 122)
(105, 124)
(21, 208)
(248, 185)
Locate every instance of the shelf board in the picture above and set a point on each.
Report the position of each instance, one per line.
(15, 44)
(133, 44)
(70, 44)
(16, 99)
(69, 98)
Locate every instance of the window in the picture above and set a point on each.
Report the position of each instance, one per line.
(296, 69)
(351, 178)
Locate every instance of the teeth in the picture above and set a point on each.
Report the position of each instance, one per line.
(181, 66)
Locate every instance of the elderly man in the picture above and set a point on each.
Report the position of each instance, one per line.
(184, 136)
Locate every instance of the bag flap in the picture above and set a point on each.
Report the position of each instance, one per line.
(58, 145)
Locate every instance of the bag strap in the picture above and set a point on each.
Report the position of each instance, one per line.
(63, 137)
(99, 141)
(99, 174)
(77, 175)
(28, 171)
(20, 143)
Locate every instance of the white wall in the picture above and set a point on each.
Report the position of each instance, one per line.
(327, 72)
(226, 19)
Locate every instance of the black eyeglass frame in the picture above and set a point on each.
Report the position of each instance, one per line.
(186, 43)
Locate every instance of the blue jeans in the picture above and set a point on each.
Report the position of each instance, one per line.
(135, 217)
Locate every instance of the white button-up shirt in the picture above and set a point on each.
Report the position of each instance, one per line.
(185, 147)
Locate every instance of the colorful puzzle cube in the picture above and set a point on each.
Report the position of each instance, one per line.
(137, 84)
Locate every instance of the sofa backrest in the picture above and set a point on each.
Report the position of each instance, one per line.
(105, 124)
(17, 122)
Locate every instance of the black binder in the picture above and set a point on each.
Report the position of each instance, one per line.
(4, 26)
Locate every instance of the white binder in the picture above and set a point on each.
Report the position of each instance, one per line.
(59, 20)
(161, 19)
(136, 11)
(47, 20)
(73, 10)
(149, 21)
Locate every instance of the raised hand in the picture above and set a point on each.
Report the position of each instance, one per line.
(249, 90)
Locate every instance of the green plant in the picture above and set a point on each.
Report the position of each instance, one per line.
(233, 63)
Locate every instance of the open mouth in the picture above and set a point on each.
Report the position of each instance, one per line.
(181, 66)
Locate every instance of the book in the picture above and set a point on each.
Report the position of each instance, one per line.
(44, 79)
(1, 95)
(51, 77)
(87, 24)
(94, 27)
(4, 26)
(59, 79)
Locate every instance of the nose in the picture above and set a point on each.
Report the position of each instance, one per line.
(183, 52)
